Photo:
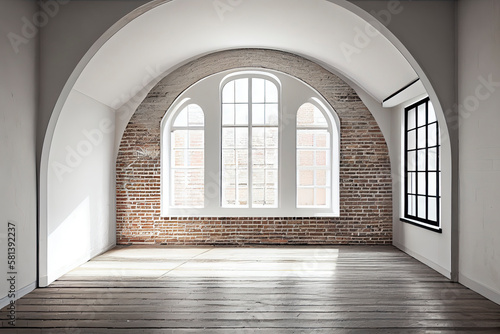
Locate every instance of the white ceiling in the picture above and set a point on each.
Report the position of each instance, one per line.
(179, 30)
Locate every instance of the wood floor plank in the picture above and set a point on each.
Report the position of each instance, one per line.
(348, 289)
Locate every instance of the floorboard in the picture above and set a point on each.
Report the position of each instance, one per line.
(346, 289)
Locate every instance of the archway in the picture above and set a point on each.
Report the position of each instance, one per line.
(77, 196)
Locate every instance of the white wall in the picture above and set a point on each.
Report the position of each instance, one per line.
(18, 105)
(433, 46)
(479, 59)
(429, 247)
(81, 215)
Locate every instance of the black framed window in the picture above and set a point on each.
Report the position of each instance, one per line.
(422, 171)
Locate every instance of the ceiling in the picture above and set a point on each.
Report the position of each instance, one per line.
(176, 31)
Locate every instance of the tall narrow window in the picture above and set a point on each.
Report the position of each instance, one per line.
(422, 165)
(250, 143)
(187, 158)
(313, 157)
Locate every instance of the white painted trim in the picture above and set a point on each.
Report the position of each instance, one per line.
(483, 290)
(445, 272)
(19, 294)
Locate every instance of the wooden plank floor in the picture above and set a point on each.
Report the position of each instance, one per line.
(345, 289)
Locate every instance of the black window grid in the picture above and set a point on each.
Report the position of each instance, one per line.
(419, 171)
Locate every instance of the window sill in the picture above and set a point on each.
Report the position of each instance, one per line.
(252, 213)
(422, 225)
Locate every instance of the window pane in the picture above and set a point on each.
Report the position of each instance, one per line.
(412, 183)
(319, 118)
(241, 114)
(421, 183)
(179, 158)
(321, 178)
(258, 90)
(258, 158)
(271, 114)
(305, 158)
(272, 179)
(272, 137)
(421, 138)
(179, 138)
(258, 115)
(271, 92)
(229, 158)
(321, 159)
(309, 115)
(195, 115)
(195, 158)
(321, 196)
(271, 158)
(305, 115)
(421, 160)
(412, 140)
(433, 212)
(421, 115)
(421, 207)
(432, 156)
(229, 190)
(306, 177)
(305, 196)
(228, 93)
(228, 135)
(305, 138)
(258, 179)
(228, 114)
(432, 135)
(196, 138)
(412, 205)
(412, 161)
(242, 158)
(411, 119)
(258, 137)
(271, 197)
(322, 139)
(432, 183)
(241, 90)
(241, 135)
(432, 113)
(258, 196)
(181, 119)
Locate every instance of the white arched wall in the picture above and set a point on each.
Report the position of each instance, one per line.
(77, 165)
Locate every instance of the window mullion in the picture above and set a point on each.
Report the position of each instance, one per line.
(250, 146)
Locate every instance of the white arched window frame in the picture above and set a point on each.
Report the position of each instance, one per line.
(182, 152)
(317, 154)
(250, 140)
(293, 93)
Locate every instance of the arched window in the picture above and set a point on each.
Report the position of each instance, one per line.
(250, 143)
(314, 157)
(187, 160)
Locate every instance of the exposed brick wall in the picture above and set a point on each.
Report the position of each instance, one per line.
(365, 175)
